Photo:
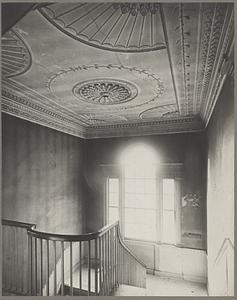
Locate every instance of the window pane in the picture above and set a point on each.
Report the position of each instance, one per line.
(168, 202)
(150, 201)
(168, 227)
(113, 214)
(113, 199)
(150, 186)
(168, 194)
(140, 224)
(168, 186)
(146, 233)
(130, 215)
(113, 185)
(130, 185)
(130, 230)
(139, 186)
(140, 202)
(130, 200)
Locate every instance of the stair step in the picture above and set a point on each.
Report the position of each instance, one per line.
(76, 291)
(128, 290)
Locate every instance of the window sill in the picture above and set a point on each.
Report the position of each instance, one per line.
(161, 244)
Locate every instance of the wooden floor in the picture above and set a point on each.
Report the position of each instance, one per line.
(157, 286)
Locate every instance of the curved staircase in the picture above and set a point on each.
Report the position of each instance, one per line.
(45, 264)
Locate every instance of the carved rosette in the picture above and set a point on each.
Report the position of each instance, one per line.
(105, 91)
(139, 88)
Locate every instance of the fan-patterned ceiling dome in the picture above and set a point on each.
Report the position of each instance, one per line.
(16, 57)
(121, 27)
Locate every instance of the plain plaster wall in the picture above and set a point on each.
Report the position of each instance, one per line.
(220, 194)
(42, 176)
(43, 183)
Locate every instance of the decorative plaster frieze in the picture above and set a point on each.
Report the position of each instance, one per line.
(217, 33)
(164, 126)
(224, 66)
(199, 39)
(30, 115)
(30, 96)
(25, 108)
(212, 48)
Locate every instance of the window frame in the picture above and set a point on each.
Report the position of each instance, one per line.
(163, 171)
(107, 199)
(177, 208)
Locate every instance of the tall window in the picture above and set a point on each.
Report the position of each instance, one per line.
(140, 202)
(146, 208)
(168, 204)
(113, 200)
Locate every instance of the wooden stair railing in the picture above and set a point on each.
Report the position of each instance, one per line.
(15, 257)
(45, 264)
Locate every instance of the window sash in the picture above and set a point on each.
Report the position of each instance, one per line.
(158, 207)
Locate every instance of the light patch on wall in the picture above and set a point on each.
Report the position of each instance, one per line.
(139, 154)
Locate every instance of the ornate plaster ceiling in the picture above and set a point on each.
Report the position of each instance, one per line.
(111, 26)
(105, 91)
(16, 57)
(110, 69)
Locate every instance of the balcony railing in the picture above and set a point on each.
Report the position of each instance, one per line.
(46, 264)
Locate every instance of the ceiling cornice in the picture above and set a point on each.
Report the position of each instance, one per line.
(29, 106)
(200, 40)
(156, 127)
(199, 43)
(220, 62)
(215, 55)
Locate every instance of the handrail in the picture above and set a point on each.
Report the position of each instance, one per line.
(17, 224)
(107, 227)
(129, 251)
(70, 237)
(103, 250)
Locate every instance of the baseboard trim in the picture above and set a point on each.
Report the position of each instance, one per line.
(187, 277)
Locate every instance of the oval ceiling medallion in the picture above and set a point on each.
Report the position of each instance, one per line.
(16, 57)
(121, 27)
(128, 87)
(105, 91)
